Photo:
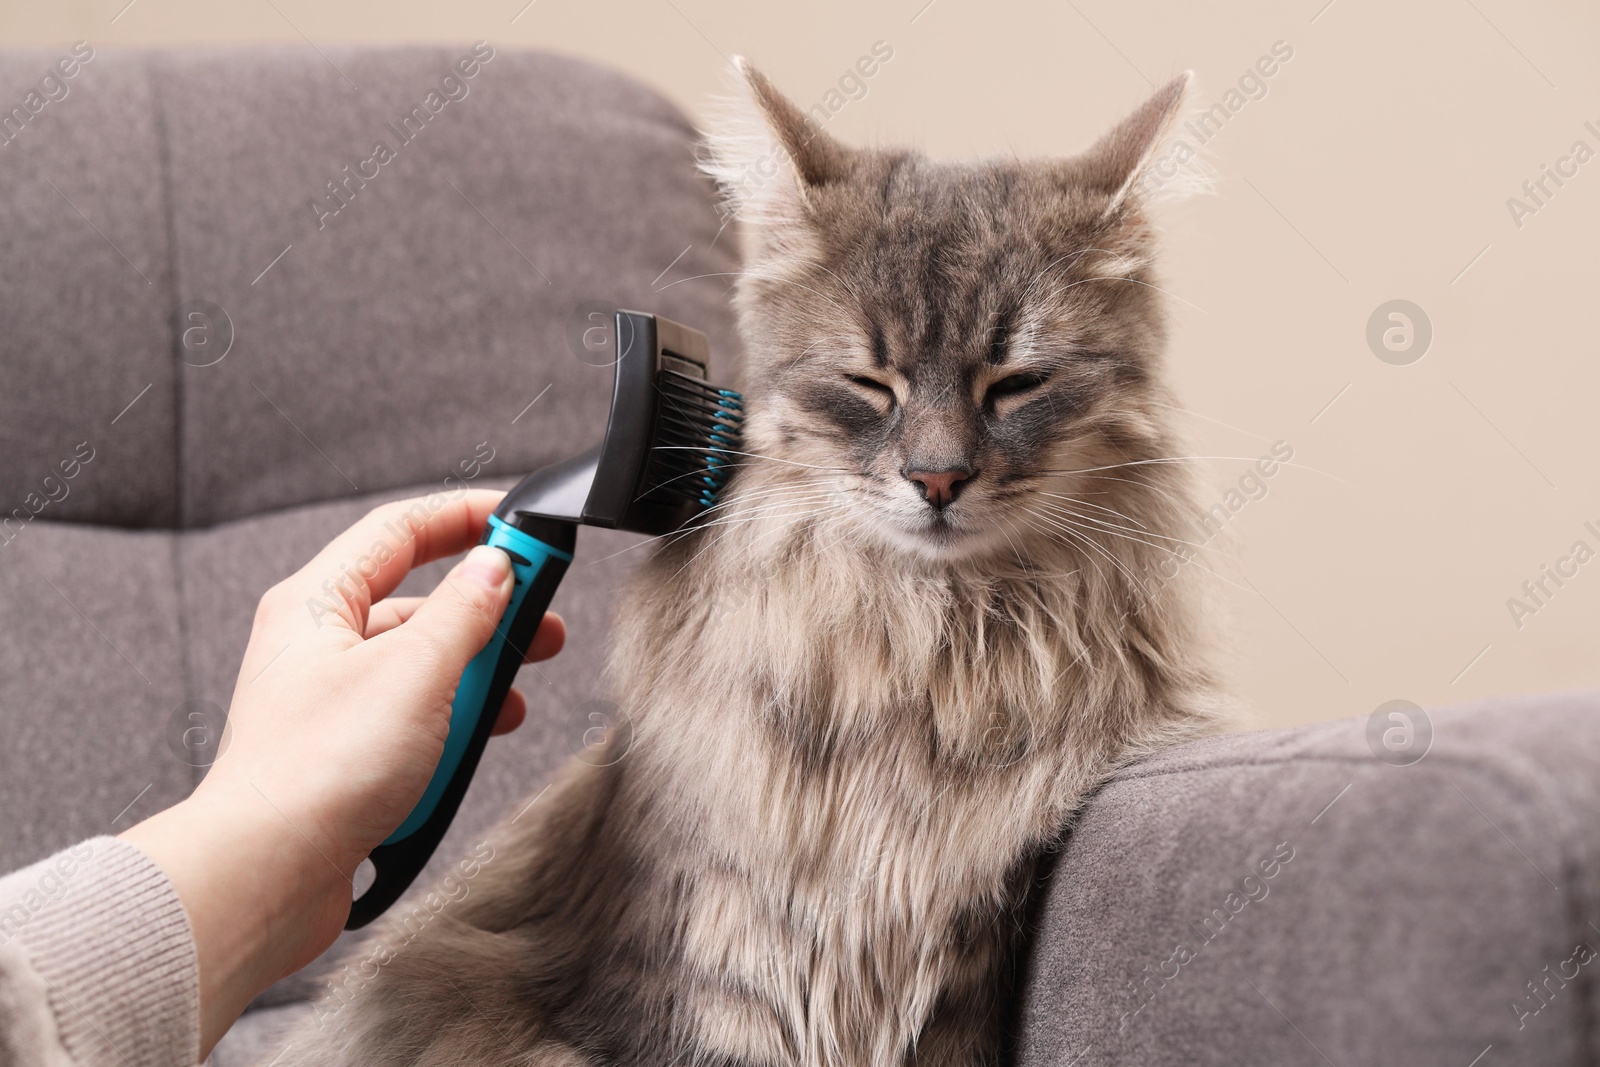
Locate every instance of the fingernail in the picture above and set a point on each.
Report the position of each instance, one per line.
(487, 566)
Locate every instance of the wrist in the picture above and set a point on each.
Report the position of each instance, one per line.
(261, 900)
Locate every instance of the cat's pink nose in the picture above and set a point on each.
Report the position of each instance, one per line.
(940, 488)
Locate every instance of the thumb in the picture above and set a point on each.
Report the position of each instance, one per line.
(461, 614)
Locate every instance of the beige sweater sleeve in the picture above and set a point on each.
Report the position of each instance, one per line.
(97, 963)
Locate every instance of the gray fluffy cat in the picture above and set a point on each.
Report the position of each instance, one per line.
(877, 680)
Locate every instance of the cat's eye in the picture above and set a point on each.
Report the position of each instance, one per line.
(873, 385)
(1014, 384)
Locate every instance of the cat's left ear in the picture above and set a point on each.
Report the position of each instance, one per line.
(767, 155)
(1124, 163)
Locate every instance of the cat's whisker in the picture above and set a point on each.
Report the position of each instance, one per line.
(846, 530)
(1181, 502)
(752, 514)
(1182, 558)
(673, 535)
(1070, 255)
(1092, 504)
(1089, 529)
(843, 311)
(1039, 527)
(1090, 543)
(1089, 524)
(1130, 281)
(846, 286)
(770, 459)
(1109, 525)
(1080, 498)
(1185, 459)
(767, 492)
(748, 272)
(808, 349)
(727, 494)
(760, 494)
(748, 501)
(1208, 418)
(1067, 517)
(697, 277)
(746, 517)
(750, 546)
(766, 512)
(720, 535)
(1016, 549)
(746, 490)
(764, 496)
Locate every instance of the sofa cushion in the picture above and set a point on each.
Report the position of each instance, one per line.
(85, 297)
(91, 672)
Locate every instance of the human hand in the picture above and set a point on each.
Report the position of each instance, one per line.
(337, 722)
(343, 702)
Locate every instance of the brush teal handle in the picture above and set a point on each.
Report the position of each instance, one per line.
(537, 569)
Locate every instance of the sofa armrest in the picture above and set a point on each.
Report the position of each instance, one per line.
(1290, 897)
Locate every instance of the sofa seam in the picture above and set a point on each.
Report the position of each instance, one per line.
(154, 72)
(1268, 761)
(486, 481)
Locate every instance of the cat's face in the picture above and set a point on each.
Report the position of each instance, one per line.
(953, 349)
(950, 354)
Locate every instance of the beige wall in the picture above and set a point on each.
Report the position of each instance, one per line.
(1377, 166)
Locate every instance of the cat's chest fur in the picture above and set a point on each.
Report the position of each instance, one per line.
(845, 906)
(863, 775)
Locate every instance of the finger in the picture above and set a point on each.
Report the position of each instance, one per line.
(512, 713)
(458, 618)
(365, 563)
(548, 639)
(387, 614)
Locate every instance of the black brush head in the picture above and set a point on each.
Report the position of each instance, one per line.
(669, 445)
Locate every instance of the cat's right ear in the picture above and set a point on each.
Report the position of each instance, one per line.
(1142, 158)
(767, 156)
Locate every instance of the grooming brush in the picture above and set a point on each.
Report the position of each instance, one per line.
(664, 459)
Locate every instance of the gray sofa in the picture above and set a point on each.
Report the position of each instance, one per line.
(234, 360)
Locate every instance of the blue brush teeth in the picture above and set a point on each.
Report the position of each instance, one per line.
(699, 429)
(725, 437)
